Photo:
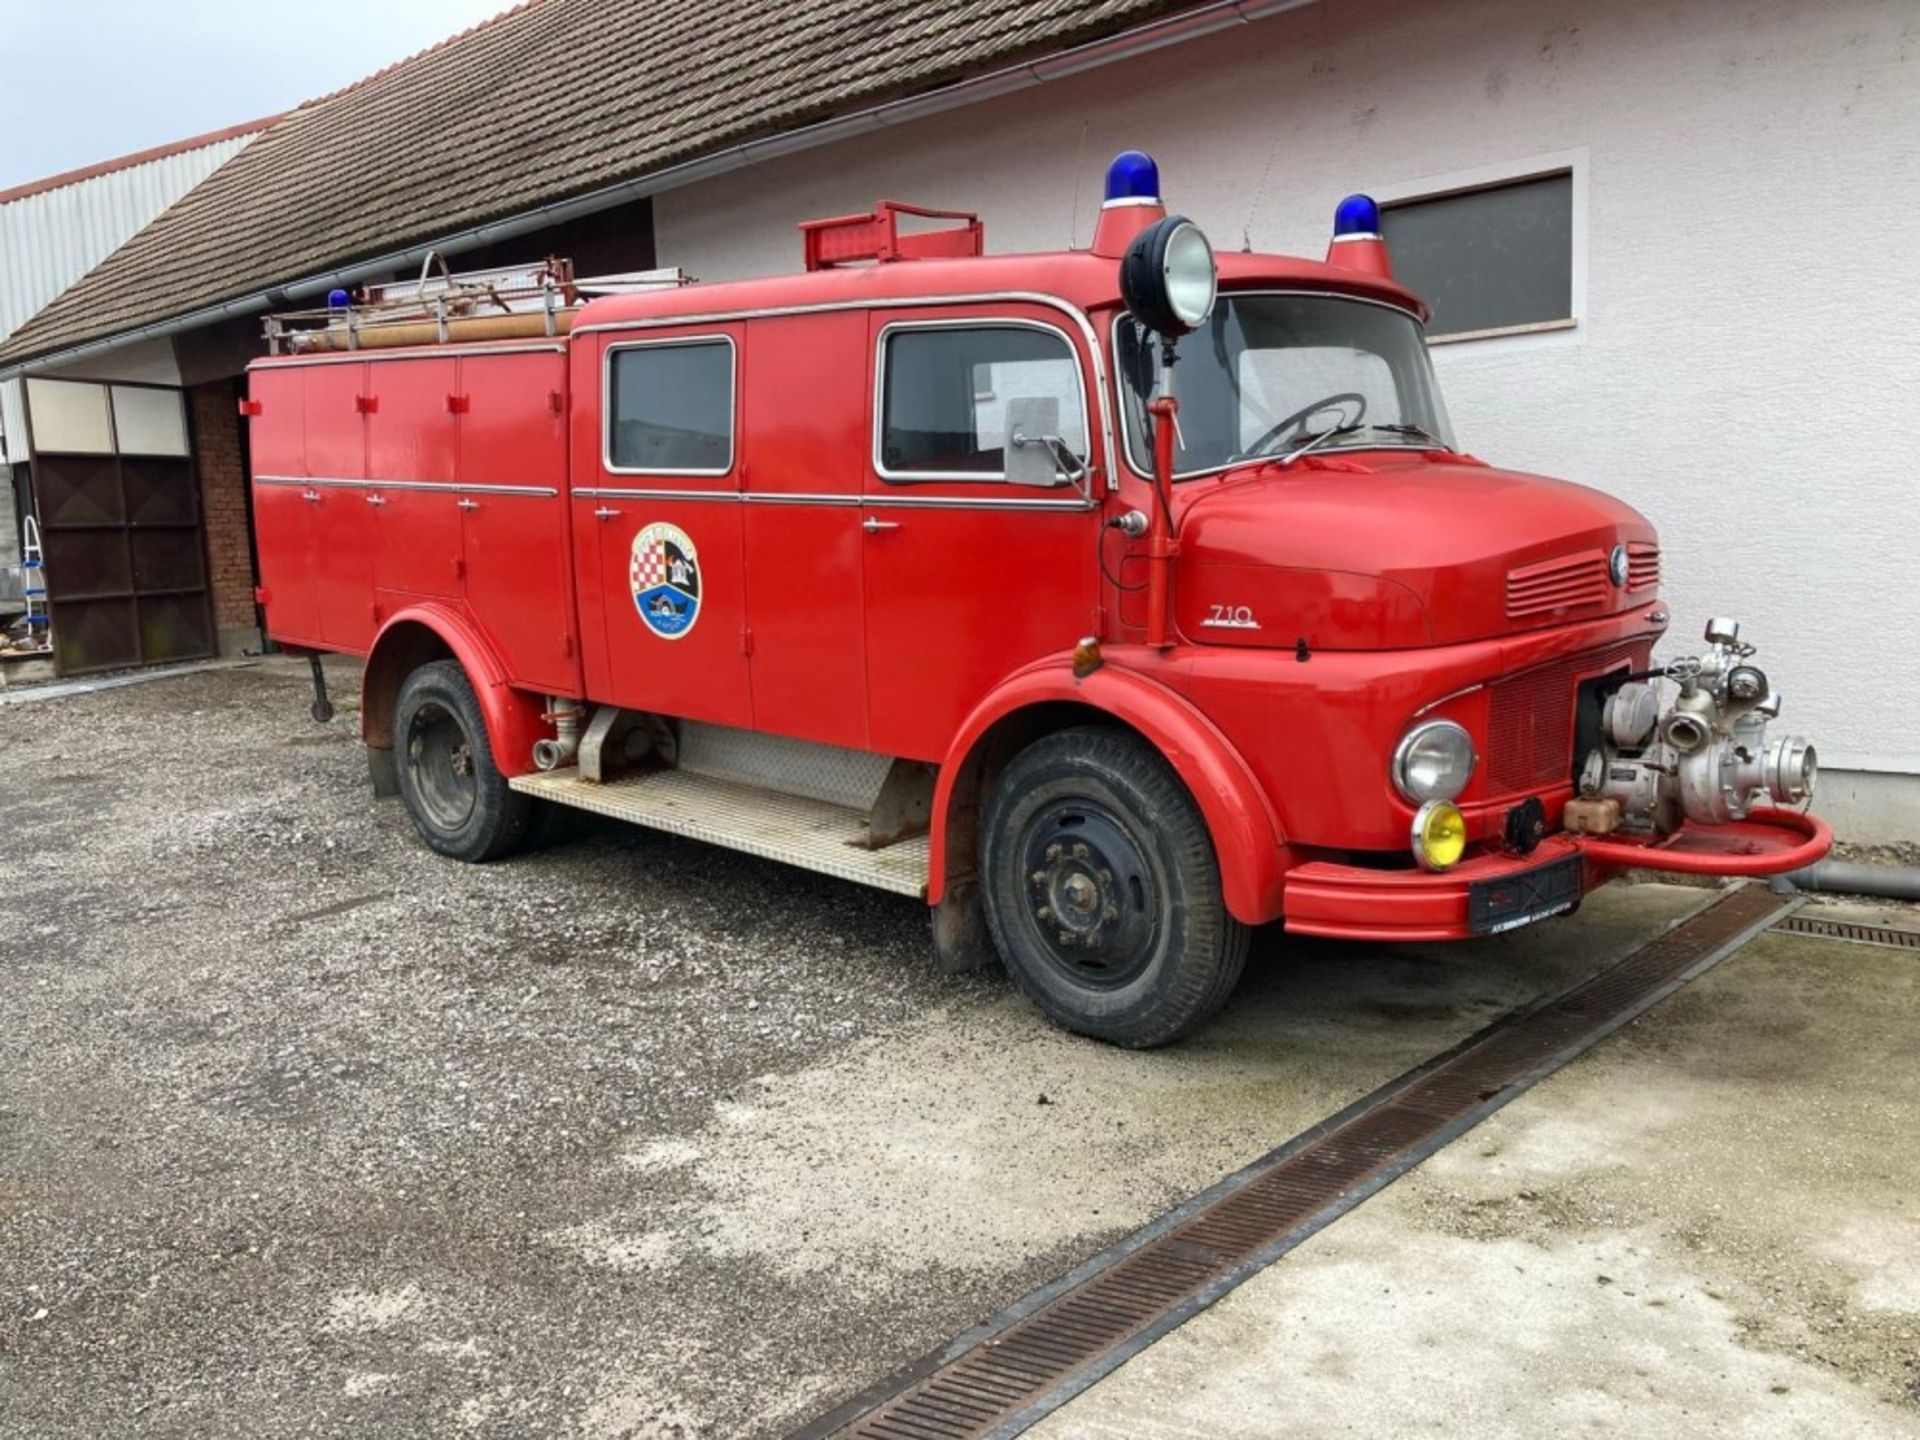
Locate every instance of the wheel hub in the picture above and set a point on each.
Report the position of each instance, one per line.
(1088, 893)
(440, 759)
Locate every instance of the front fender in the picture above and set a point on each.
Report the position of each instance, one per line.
(1246, 833)
(429, 631)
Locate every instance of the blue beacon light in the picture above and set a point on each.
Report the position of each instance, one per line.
(1357, 216)
(337, 299)
(1133, 179)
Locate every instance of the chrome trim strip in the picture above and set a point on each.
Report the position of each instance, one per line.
(984, 322)
(627, 492)
(539, 492)
(967, 502)
(776, 497)
(912, 502)
(432, 350)
(606, 403)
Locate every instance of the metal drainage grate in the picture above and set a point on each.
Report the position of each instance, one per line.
(1847, 930)
(1001, 1379)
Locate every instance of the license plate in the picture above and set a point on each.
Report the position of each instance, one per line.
(1521, 899)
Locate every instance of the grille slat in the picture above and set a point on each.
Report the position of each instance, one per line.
(1530, 720)
(1643, 566)
(1567, 583)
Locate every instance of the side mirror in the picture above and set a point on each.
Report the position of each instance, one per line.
(1035, 453)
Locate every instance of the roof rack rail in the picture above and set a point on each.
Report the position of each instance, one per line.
(441, 308)
(876, 236)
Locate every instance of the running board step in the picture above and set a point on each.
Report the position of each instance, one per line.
(810, 834)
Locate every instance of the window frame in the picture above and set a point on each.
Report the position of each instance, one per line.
(1571, 163)
(971, 322)
(614, 348)
(1119, 381)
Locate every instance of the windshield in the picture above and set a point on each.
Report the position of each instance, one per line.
(1270, 373)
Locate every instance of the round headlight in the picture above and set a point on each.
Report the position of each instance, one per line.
(1167, 277)
(1190, 275)
(1439, 835)
(1433, 761)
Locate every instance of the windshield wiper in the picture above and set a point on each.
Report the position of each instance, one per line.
(1314, 441)
(1418, 432)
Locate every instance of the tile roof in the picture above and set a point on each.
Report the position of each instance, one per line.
(546, 101)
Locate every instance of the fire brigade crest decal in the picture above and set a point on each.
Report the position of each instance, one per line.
(665, 579)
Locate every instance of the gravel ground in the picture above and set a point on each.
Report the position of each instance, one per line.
(261, 1045)
(306, 1131)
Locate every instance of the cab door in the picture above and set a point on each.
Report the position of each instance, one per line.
(666, 596)
(968, 577)
(804, 383)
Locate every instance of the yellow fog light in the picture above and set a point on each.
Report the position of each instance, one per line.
(1439, 835)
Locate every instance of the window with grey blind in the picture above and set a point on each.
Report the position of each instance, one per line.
(1488, 260)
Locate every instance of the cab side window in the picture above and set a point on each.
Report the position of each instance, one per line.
(945, 393)
(670, 407)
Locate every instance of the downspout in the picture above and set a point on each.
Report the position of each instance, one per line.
(1847, 877)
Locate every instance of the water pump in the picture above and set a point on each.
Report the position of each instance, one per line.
(1699, 752)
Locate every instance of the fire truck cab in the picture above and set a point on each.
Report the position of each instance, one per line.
(1111, 601)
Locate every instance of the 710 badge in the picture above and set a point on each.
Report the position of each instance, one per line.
(665, 579)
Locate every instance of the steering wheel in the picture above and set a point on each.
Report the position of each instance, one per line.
(1307, 412)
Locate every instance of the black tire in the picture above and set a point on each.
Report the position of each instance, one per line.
(456, 795)
(1090, 835)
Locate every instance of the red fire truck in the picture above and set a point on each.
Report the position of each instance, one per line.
(1113, 601)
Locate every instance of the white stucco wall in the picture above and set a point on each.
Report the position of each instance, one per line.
(1747, 362)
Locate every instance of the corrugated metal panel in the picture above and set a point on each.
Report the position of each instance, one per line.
(54, 237)
(50, 239)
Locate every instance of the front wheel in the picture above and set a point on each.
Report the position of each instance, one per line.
(460, 802)
(1103, 891)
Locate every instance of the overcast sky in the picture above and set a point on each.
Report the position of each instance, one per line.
(87, 80)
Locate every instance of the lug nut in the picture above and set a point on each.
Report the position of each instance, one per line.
(1053, 852)
(1080, 852)
(1045, 912)
(1039, 878)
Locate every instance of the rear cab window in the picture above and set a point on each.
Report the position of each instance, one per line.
(670, 407)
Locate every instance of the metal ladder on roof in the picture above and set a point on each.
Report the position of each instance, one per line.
(33, 574)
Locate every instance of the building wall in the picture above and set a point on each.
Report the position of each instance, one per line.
(1749, 345)
(219, 459)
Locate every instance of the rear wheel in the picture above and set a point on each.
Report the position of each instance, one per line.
(1103, 891)
(459, 800)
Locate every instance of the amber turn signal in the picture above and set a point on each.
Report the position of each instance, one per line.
(1086, 658)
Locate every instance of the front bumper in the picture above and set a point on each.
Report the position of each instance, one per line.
(1352, 902)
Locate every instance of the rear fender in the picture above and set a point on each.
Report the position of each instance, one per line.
(1247, 836)
(423, 633)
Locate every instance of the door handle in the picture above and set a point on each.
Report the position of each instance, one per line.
(466, 504)
(874, 527)
(311, 496)
(376, 499)
(604, 513)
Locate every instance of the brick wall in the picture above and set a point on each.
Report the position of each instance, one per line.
(223, 503)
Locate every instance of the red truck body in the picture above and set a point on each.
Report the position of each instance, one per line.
(466, 500)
